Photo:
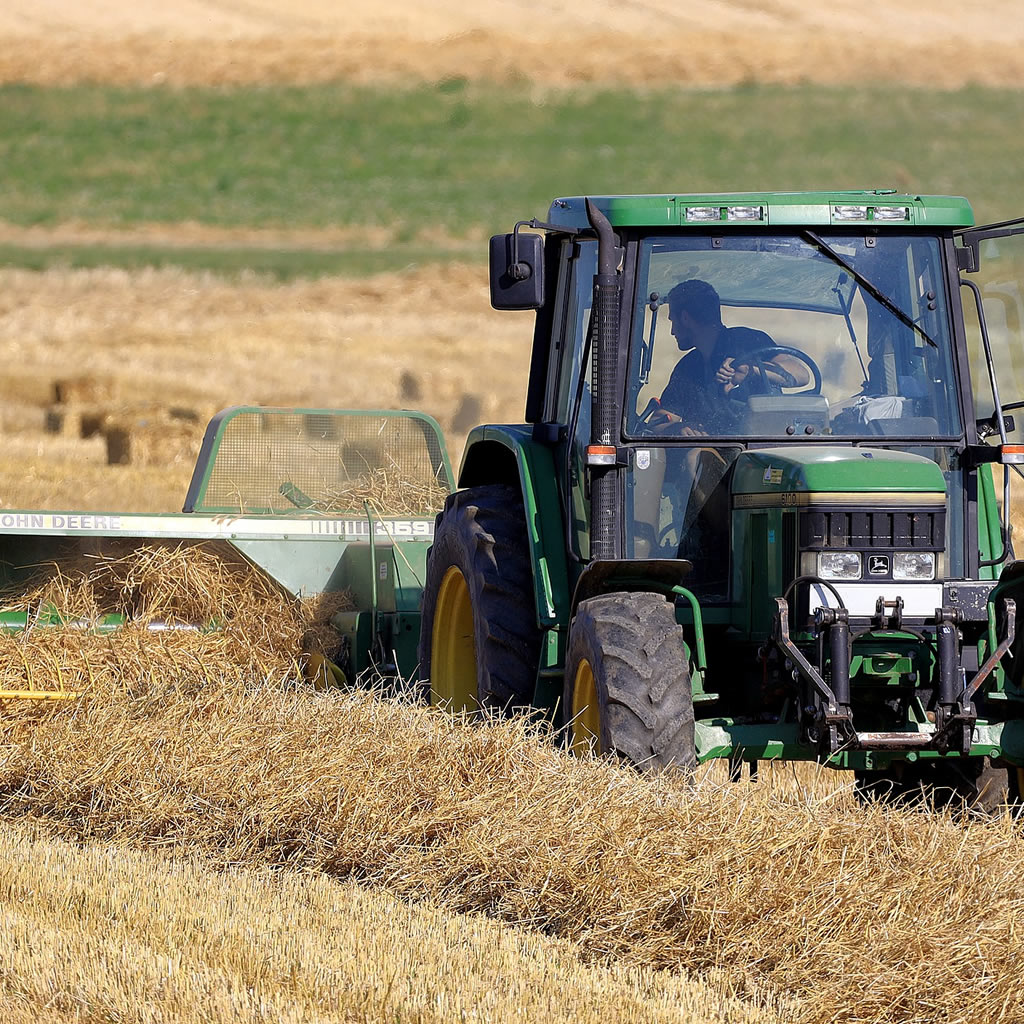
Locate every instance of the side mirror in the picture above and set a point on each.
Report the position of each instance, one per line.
(517, 271)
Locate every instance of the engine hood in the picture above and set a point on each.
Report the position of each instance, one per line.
(805, 476)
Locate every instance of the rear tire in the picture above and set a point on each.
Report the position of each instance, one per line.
(479, 639)
(627, 682)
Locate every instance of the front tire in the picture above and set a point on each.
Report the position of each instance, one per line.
(479, 639)
(627, 682)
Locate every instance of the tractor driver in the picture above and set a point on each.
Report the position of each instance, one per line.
(713, 364)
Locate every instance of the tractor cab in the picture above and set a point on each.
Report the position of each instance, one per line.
(833, 340)
(770, 421)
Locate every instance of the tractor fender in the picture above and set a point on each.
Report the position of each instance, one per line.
(507, 454)
(610, 576)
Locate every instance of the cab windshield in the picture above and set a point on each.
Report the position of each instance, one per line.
(775, 336)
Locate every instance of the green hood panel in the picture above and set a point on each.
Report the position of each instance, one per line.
(786, 472)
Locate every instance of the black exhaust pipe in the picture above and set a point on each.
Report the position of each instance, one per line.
(604, 420)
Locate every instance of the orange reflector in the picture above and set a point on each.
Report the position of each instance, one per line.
(600, 455)
(1011, 454)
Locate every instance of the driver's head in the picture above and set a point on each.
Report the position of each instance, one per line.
(695, 311)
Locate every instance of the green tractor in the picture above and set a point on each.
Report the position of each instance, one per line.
(752, 511)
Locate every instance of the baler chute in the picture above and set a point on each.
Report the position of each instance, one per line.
(322, 502)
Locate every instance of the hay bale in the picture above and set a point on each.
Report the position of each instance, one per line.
(92, 422)
(118, 438)
(77, 421)
(409, 387)
(23, 418)
(151, 441)
(64, 421)
(84, 390)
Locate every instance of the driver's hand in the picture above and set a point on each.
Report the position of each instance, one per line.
(662, 420)
(730, 376)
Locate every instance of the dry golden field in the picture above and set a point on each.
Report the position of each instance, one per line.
(252, 945)
(202, 836)
(608, 893)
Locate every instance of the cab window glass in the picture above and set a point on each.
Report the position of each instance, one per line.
(571, 386)
(999, 277)
(761, 336)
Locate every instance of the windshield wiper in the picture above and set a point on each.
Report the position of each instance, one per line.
(869, 286)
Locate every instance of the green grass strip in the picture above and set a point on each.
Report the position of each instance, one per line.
(454, 157)
(278, 264)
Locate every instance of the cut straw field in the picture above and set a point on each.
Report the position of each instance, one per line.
(855, 914)
(179, 942)
(208, 834)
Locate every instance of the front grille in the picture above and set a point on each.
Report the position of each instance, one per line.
(904, 529)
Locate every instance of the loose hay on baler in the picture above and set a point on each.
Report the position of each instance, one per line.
(304, 535)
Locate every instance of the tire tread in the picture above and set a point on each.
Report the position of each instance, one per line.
(482, 531)
(635, 649)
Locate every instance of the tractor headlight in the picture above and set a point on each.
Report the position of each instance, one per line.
(839, 565)
(913, 565)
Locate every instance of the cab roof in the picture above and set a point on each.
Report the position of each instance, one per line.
(879, 208)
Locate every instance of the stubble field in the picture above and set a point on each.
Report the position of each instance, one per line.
(205, 839)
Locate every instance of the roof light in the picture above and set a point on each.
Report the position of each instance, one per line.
(694, 213)
(892, 213)
(743, 212)
(850, 212)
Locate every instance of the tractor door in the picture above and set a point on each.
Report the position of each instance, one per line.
(996, 255)
(993, 257)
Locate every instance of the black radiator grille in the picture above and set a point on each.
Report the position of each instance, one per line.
(903, 529)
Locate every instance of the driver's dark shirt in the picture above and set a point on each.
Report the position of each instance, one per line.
(691, 390)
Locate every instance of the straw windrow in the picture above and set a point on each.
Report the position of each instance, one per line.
(862, 914)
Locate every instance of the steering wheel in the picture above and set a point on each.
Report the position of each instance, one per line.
(760, 384)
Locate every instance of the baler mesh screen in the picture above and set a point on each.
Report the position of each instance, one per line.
(284, 461)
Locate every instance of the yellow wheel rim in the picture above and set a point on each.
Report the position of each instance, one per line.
(453, 650)
(586, 715)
